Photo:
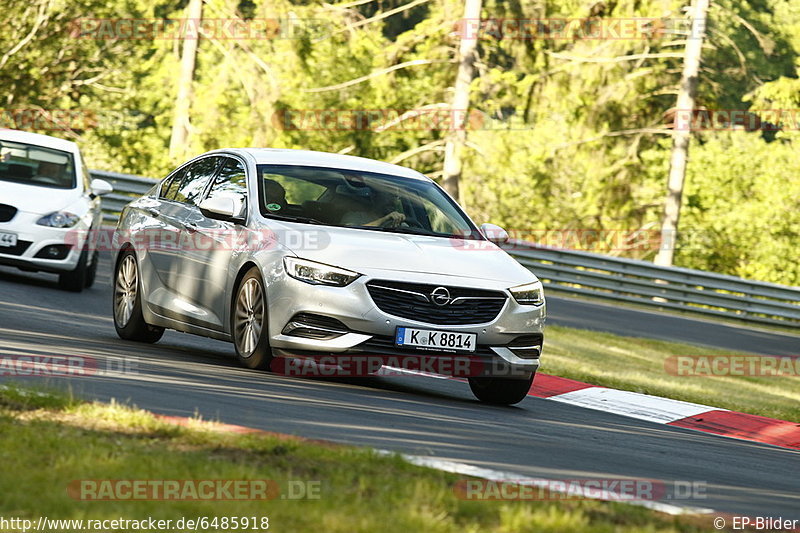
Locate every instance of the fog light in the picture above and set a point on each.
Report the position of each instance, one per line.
(311, 326)
(527, 346)
(54, 251)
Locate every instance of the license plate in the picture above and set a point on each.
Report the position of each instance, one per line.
(8, 240)
(440, 340)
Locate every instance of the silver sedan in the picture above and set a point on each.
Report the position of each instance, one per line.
(317, 264)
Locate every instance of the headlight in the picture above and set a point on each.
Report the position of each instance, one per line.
(61, 219)
(318, 273)
(529, 294)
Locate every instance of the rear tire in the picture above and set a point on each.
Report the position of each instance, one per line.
(249, 326)
(127, 302)
(501, 391)
(75, 280)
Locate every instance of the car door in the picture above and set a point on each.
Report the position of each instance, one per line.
(158, 234)
(214, 244)
(175, 212)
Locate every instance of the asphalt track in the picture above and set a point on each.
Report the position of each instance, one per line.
(186, 375)
(575, 313)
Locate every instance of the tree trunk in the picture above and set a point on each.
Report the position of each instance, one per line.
(681, 134)
(180, 121)
(457, 137)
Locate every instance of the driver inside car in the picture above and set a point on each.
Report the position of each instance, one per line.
(380, 209)
(275, 195)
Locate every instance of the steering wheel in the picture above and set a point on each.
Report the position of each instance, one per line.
(412, 223)
(389, 224)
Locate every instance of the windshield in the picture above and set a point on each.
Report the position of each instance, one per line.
(36, 165)
(347, 198)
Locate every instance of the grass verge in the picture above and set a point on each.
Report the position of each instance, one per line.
(48, 441)
(640, 365)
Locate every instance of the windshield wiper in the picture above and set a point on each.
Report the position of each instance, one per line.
(408, 231)
(290, 218)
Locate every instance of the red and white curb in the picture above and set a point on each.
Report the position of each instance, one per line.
(670, 412)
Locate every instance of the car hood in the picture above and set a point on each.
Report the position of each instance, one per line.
(37, 200)
(360, 250)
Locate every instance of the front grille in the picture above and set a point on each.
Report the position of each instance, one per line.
(7, 212)
(19, 249)
(414, 301)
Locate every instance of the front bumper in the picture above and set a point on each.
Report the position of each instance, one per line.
(369, 331)
(32, 239)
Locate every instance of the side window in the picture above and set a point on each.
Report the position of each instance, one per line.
(290, 190)
(170, 186)
(231, 182)
(195, 179)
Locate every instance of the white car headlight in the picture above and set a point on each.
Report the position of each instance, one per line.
(59, 219)
(318, 273)
(529, 294)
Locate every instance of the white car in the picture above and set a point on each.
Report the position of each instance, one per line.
(330, 260)
(49, 207)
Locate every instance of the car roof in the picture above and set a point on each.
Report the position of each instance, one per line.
(310, 158)
(37, 139)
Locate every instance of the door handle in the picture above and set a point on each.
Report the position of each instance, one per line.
(191, 228)
(153, 212)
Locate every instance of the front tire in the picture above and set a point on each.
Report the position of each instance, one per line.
(128, 318)
(501, 391)
(249, 322)
(91, 270)
(75, 280)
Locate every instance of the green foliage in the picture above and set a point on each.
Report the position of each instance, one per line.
(567, 133)
(743, 205)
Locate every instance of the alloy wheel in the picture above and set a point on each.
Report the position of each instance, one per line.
(249, 318)
(125, 290)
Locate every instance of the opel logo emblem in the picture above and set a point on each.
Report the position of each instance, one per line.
(440, 296)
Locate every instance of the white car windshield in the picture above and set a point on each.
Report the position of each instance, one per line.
(35, 165)
(366, 200)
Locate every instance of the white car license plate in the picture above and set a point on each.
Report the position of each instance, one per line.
(8, 240)
(426, 338)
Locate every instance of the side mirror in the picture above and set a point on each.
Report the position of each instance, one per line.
(100, 187)
(219, 208)
(494, 233)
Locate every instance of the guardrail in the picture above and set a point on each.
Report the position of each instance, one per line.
(642, 282)
(596, 275)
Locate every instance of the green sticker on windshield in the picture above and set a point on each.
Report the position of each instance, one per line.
(274, 207)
